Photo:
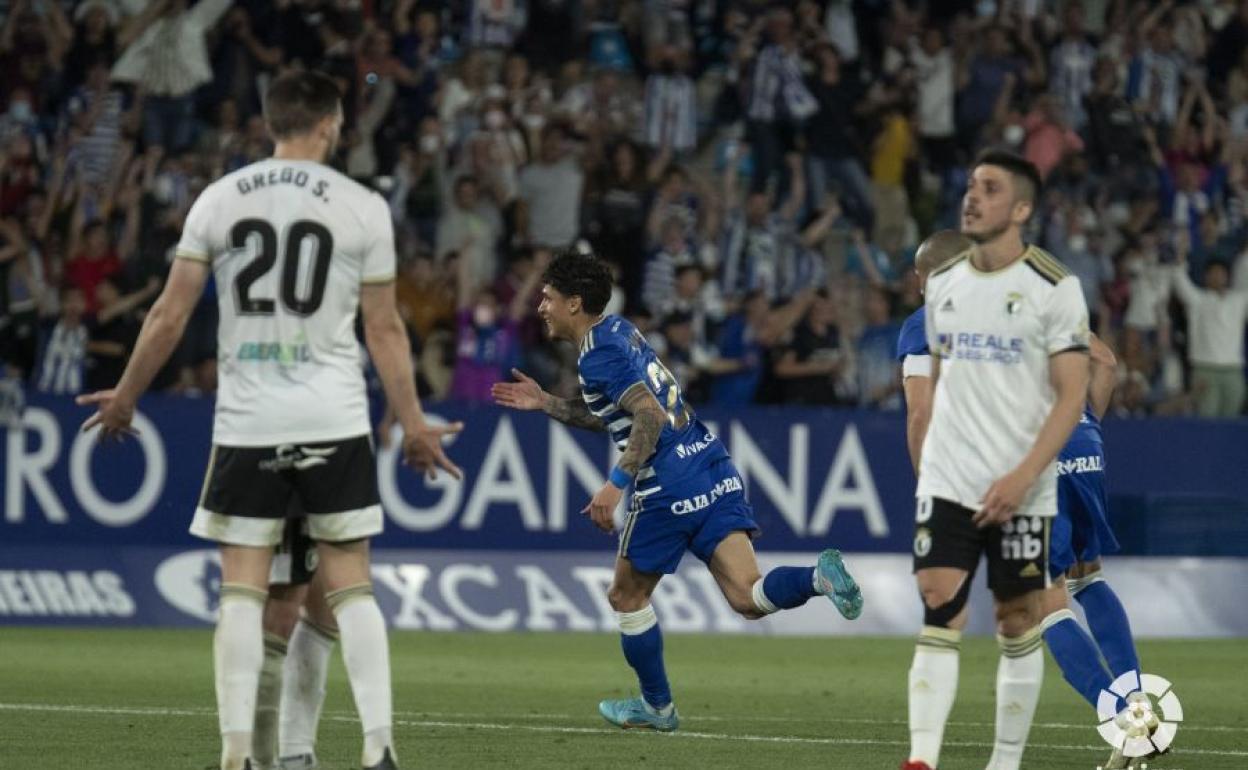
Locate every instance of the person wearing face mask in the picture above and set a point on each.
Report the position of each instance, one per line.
(485, 339)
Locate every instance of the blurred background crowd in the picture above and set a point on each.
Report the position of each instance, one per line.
(758, 174)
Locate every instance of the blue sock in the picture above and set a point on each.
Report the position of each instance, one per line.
(785, 588)
(643, 649)
(1109, 625)
(1076, 654)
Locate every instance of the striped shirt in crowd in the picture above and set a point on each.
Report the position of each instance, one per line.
(671, 115)
(95, 150)
(170, 58)
(60, 369)
(770, 258)
(777, 90)
(1071, 65)
(496, 23)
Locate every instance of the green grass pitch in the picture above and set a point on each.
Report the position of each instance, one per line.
(144, 699)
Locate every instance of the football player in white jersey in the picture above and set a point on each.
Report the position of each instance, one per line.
(297, 249)
(1008, 331)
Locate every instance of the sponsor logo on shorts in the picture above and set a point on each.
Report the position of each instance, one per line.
(689, 450)
(1022, 538)
(291, 457)
(922, 542)
(699, 502)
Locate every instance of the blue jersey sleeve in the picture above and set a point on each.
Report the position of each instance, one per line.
(913, 338)
(611, 370)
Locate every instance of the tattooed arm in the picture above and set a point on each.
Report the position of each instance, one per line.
(571, 411)
(526, 394)
(648, 421)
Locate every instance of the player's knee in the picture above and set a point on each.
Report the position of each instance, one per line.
(741, 600)
(942, 604)
(625, 600)
(1016, 619)
(280, 618)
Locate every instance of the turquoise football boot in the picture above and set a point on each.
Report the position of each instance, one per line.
(632, 714)
(838, 585)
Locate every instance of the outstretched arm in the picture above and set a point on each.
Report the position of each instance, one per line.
(525, 394)
(162, 329)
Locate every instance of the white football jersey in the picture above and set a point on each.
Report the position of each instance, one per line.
(994, 333)
(289, 242)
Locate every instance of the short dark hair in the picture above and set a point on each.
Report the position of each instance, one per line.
(573, 273)
(296, 101)
(1019, 167)
(940, 247)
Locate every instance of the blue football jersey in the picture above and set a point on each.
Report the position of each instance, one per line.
(913, 338)
(614, 357)
(1085, 442)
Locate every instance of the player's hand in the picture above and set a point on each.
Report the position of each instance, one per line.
(601, 509)
(113, 414)
(1003, 499)
(423, 453)
(524, 393)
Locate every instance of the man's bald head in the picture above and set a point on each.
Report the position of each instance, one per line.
(939, 248)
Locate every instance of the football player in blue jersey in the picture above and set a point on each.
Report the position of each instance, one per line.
(1081, 531)
(687, 495)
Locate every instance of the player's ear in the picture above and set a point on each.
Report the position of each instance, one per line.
(1022, 210)
(574, 304)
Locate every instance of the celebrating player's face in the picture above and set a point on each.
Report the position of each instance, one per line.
(991, 204)
(553, 310)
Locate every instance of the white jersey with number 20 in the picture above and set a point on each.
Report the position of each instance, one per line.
(290, 242)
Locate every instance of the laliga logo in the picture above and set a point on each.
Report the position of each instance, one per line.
(1138, 731)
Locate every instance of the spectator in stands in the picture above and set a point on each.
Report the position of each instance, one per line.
(671, 113)
(879, 375)
(1071, 64)
(166, 54)
(549, 215)
(64, 348)
(114, 331)
(810, 363)
(834, 164)
(470, 227)
(935, 81)
(1216, 319)
(758, 242)
(485, 348)
(779, 102)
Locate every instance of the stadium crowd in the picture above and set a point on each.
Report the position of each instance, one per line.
(757, 173)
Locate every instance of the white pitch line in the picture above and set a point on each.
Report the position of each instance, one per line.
(566, 730)
(1186, 727)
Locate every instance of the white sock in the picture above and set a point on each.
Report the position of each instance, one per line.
(1019, 677)
(303, 688)
(933, 686)
(761, 602)
(268, 695)
(238, 653)
(366, 652)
